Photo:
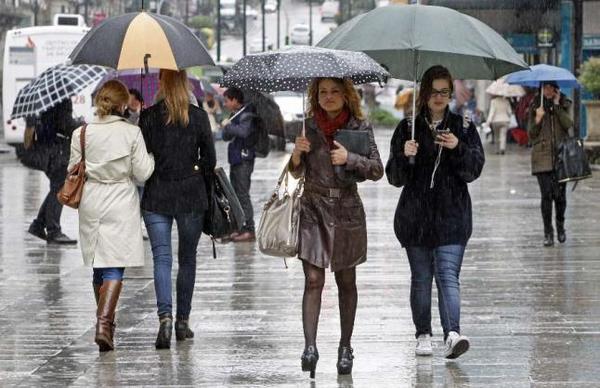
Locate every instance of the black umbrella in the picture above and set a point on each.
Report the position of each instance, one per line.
(267, 110)
(294, 67)
(141, 40)
(54, 85)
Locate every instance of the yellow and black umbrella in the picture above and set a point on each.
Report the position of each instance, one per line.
(141, 40)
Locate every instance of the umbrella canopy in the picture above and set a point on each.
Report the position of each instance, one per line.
(409, 39)
(267, 109)
(141, 40)
(539, 74)
(54, 85)
(294, 67)
(501, 88)
(147, 84)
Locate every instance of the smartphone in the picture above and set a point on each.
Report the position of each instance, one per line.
(442, 131)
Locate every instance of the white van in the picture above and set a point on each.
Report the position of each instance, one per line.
(27, 53)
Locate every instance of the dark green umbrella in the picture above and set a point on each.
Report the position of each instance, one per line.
(409, 39)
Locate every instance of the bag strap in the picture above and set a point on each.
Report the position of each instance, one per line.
(82, 142)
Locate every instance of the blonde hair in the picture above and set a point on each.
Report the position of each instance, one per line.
(351, 96)
(175, 90)
(110, 98)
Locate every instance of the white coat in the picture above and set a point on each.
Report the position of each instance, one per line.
(110, 228)
(500, 111)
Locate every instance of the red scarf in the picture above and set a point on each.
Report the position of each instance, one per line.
(330, 126)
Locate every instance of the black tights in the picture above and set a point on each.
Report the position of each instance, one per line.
(311, 302)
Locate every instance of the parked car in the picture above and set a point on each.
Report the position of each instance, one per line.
(271, 6)
(251, 12)
(329, 10)
(300, 34)
(256, 46)
(291, 106)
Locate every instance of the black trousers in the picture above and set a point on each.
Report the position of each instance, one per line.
(240, 176)
(49, 214)
(552, 191)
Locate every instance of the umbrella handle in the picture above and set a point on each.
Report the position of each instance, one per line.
(146, 56)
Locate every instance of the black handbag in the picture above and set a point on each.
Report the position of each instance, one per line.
(225, 214)
(571, 162)
(355, 141)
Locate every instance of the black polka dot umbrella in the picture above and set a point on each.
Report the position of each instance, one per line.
(294, 67)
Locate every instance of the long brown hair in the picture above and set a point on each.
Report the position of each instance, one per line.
(111, 96)
(350, 95)
(433, 73)
(175, 90)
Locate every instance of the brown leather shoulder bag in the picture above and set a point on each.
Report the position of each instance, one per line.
(70, 193)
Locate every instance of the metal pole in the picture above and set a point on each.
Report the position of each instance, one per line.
(187, 11)
(577, 59)
(278, 23)
(262, 9)
(85, 11)
(244, 28)
(218, 30)
(310, 23)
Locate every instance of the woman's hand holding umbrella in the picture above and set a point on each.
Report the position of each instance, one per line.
(302, 145)
(410, 148)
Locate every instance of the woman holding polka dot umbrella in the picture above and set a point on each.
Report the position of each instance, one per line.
(332, 228)
(293, 68)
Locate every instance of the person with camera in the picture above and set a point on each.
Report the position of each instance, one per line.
(433, 220)
(240, 130)
(549, 124)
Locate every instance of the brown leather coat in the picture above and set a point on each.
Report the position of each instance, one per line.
(333, 230)
(546, 136)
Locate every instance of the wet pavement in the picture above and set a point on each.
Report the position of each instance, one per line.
(532, 313)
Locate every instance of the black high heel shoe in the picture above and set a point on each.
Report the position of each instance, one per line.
(345, 360)
(309, 358)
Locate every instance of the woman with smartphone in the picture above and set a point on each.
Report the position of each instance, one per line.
(433, 220)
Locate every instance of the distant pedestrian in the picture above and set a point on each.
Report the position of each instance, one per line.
(178, 134)
(333, 231)
(240, 129)
(549, 124)
(433, 220)
(499, 119)
(53, 132)
(134, 106)
(109, 212)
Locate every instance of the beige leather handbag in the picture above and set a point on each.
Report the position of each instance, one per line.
(277, 232)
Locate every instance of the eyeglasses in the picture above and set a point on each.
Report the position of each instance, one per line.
(442, 93)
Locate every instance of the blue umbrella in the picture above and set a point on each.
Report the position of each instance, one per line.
(543, 73)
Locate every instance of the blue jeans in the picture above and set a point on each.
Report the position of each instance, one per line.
(189, 228)
(102, 274)
(444, 264)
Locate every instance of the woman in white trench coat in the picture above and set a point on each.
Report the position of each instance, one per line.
(109, 213)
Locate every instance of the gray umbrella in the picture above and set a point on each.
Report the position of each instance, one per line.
(294, 67)
(54, 85)
(409, 39)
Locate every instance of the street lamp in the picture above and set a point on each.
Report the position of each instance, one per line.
(310, 26)
(218, 30)
(262, 9)
(244, 28)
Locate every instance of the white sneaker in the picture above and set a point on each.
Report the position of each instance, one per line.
(424, 345)
(456, 345)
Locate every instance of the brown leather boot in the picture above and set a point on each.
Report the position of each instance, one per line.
(96, 292)
(107, 303)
